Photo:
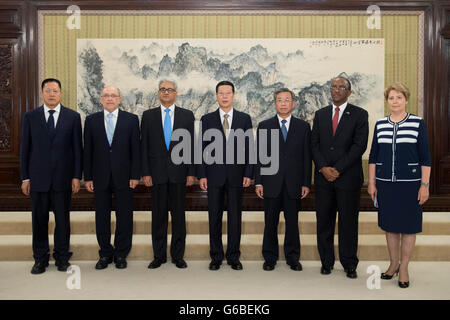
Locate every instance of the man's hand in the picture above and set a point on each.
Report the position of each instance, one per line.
(89, 186)
(147, 181)
(204, 184)
(246, 182)
(26, 187)
(259, 191)
(329, 173)
(305, 192)
(190, 181)
(75, 185)
(133, 183)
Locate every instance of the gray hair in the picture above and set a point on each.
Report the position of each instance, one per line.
(283, 90)
(168, 80)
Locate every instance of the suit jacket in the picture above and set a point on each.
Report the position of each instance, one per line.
(121, 160)
(219, 174)
(156, 159)
(294, 158)
(342, 151)
(51, 162)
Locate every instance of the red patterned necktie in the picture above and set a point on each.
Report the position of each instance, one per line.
(335, 120)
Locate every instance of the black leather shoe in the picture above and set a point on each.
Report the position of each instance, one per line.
(214, 265)
(403, 285)
(325, 270)
(180, 263)
(121, 263)
(156, 263)
(62, 265)
(351, 273)
(39, 267)
(268, 266)
(296, 266)
(236, 265)
(103, 263)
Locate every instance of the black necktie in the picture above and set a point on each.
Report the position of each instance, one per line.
(51, 123)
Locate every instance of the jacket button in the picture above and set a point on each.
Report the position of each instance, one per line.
(332, 148)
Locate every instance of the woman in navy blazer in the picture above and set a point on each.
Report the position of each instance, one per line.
(399, 175)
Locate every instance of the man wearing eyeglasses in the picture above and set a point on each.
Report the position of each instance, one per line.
(51, 167)
(338, 140)
(112, 165)
(169, 180)
(284, 189)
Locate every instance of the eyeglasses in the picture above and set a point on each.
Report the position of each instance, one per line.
(169, 90)
(107, 96)
(338, 88)
(285, 100)
(48, 91)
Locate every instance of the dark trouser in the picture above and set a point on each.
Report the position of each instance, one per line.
(124, 221)
(234, 217)
(346, 202)
(272, 208)
(165, 197)
(42, 203)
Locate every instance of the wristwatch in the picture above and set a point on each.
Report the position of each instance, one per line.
(426, 184)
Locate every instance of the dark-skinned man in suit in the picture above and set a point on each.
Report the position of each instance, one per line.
(169, 180)
(291, 183)
(112, 165)
(338, 141)
(222, 177)
(51, 168)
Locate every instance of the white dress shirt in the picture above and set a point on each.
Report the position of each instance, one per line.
(341, 111)
(55, 115)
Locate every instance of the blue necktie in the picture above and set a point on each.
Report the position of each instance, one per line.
(284, 129)
(51, 123)
(110, 128)
(167, 128)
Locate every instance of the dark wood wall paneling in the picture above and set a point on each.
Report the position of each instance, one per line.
(19, 88)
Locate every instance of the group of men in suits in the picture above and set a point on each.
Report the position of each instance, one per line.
(117, 154)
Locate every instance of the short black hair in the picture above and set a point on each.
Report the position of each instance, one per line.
(50, 80)
(224, 83)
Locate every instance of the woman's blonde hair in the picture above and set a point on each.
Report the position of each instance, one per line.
(400, 87)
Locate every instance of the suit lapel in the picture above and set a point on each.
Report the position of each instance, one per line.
(61, 120)
(218, 123)
(291, 131)
(176, 123)
(42, 118)
(119, 125)
(101, 124)
(329, 120)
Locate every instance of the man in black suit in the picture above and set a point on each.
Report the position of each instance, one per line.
(338, 140)
(224, 176)
(284, 189)
(51, 168)
(169, 180)
(112, 164)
